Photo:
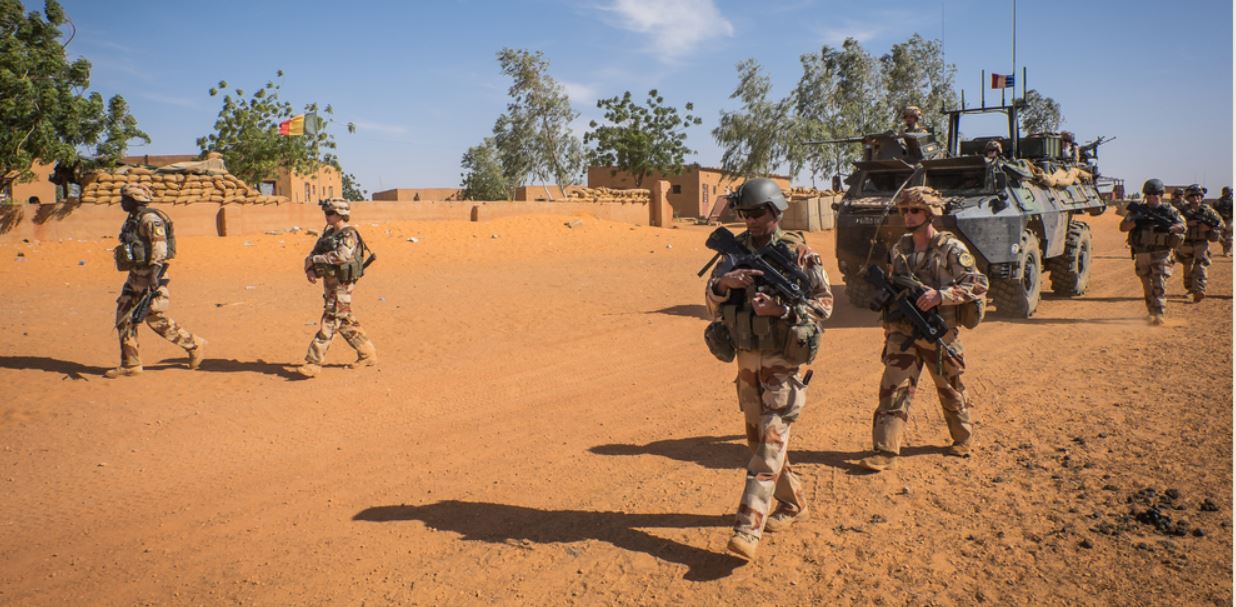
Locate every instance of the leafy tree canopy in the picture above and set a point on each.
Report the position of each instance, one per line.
(483, 177)
(641, 139)
(533, 136)
(1040, 114)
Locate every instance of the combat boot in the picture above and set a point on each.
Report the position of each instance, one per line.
(1198, 296)
(879, 462)
(1156, 320)
(743, 545)
(959, 450)
(784, 518)
(308, 370)
(122, 372)
(197, 353)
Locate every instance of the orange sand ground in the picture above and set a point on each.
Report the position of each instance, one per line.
(546, 426)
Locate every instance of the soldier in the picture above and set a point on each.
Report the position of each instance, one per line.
(912, 115)
(147, 244)
(772, 341)
(1068, 147)
(1223, 206)
(337, 259)
(1194, 252)
(1152, 248)
(993, 150)
(945, 266)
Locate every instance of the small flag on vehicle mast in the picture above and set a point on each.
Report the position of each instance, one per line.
(295, 126)
(1001, 81)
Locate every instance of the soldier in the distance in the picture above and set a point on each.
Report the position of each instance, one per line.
(772, 340)
(1223, 206)
(1194, 253)
(912, 116)
(942, 263)
(147, 244)
(338, 260)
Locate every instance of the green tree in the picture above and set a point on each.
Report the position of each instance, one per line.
(533, 137)
(914, 72)
(483, 177)
(247, 134)
(754, 140)
(1039, 114)
(816, 117)
(641, 139)
(45, 109)
(352, 188)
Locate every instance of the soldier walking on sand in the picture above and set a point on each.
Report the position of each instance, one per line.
(942, 263)
(1223, 206)
(1152, 246)
(147, 244)
(772, 342)
(1203, 225)
(338, 260)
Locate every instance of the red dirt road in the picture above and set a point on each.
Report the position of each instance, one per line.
(546, 426)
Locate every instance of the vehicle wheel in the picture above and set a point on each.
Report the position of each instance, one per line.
(1070, 272)
(858, 291)
(1018, 297)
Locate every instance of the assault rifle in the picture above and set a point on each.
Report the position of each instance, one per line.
(782, 276)
(898, 298)
(1202, 217)
(141, 308)
(1142, 213)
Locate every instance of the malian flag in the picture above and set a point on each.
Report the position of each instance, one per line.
(1001, 81)
(295, 127)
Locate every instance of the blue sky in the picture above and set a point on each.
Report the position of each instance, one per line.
(421, 81)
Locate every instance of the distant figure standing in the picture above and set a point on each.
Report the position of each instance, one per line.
(1223, 206)
(911, 116)
(1152, 248)
(147, 244)
(1203, 226)
(338, 259)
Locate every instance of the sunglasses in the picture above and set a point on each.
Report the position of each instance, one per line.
(909, 211)
(753, 213)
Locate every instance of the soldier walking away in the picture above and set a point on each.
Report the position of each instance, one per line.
(944, 266)
(147, 244)
(1154, 230)
(912, 115)
(1203, 226)
(1223, 206)
(338, 260)
(772, 341)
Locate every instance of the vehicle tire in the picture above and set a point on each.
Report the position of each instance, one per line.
(858, 291)
(1070, 272)
(1018, 297)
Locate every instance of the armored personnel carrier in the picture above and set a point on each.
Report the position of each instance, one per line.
(1017, 212)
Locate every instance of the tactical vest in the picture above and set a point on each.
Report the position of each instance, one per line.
(348, 271)
(1148, 239)
(969, 314)
(1224, 208)
(1195, 233)
(796, 339)
(134, 250)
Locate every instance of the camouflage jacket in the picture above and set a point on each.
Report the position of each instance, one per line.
(1223, 207)
(1195, 232)
(946, 265)
(151, 228)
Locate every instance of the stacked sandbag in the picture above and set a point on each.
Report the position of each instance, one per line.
(173, 188)
(804, 193)
(603, 194)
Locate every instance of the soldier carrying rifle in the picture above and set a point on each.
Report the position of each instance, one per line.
(1154, 230)
(1203, 226)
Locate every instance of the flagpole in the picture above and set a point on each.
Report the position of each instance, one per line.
(1014, 72)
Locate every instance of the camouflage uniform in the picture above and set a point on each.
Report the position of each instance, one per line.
(771, 392)
(148, 229)
(1194, 252)
(337, 297)
(947, 266)
(1223, 206)
(1152, 261)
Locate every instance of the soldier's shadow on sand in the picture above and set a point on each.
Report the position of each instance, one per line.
(502, 523)
(729, 453)
(71, 369)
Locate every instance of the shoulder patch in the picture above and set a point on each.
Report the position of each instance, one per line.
(966, 260)
(158, 230)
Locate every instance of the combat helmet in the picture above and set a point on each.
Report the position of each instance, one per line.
(1195, 190)
(338, 206)
(138, 192)
(921, 197)
(1153, 186)
(755, 193)
(912, 110)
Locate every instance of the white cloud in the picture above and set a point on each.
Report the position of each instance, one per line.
(674, 27)
(380, 127)
(580, 93)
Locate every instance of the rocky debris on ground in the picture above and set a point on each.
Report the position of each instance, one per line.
(1149, 507)
(574, 223)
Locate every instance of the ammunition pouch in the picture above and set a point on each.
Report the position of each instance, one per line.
(130, 256)
(971, 313)
(1147, 240)
(349, 271)
(798, 343)
(802, 342)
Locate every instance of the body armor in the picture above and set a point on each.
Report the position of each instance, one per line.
(348, 271)
(134, 250)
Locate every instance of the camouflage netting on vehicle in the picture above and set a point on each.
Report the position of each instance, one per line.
(1061, 177)
(608, 194)
(180, 183)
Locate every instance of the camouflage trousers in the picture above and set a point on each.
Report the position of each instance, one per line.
(156, 319)
(903, 364)
(771, 396)
(1226, 238)
(1154, 269)
(337, 318)
(1194, 258)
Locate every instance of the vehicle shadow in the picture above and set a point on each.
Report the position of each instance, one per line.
(500, 523)
(74, 370)
(727, 453)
